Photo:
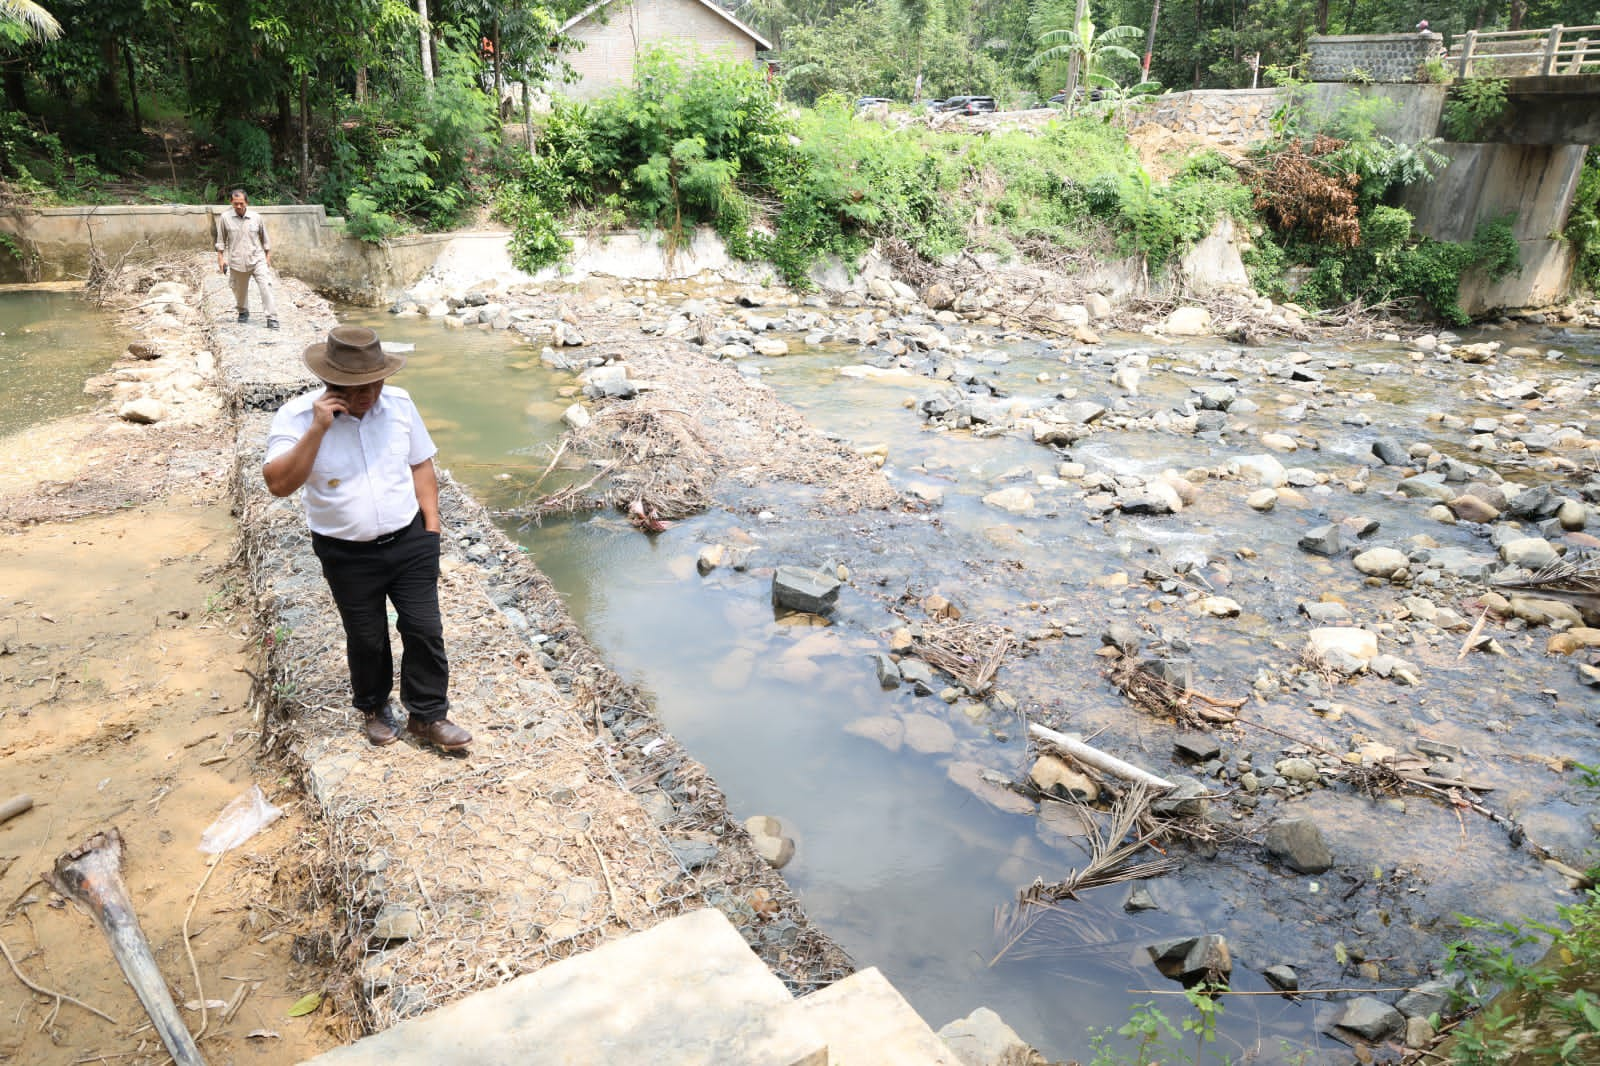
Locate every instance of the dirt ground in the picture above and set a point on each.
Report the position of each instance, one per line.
(126, 663)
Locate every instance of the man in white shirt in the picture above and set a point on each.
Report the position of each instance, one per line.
(245, 252)
(365, 461)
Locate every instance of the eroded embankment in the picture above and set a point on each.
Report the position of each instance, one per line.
(574, 817)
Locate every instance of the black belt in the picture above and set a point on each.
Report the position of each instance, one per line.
(376, 542)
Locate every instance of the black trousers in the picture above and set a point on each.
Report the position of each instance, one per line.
(402, 568)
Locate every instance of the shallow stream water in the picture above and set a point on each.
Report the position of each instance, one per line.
(50, 342)
(905, 868)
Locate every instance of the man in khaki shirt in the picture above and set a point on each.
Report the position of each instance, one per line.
(244, 252)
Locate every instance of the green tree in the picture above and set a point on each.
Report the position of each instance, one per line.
(23, 20)
(1080, 43)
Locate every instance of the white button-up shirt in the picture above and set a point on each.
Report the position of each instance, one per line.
(360, 486)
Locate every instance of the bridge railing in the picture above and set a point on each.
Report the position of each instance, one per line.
(1510, 53)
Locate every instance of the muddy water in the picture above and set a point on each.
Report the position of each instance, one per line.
(905, 868)
(50, 342)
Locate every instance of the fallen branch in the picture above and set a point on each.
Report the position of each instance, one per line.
(1108, 764)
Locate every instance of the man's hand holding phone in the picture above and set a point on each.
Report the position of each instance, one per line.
(329, 406)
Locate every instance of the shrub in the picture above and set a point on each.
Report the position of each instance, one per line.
(1546, 1013)
(1473, 104)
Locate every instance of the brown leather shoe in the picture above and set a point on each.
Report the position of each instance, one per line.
(379, 729)
(441, 733)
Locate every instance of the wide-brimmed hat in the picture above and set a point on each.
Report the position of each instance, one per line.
(351, 356)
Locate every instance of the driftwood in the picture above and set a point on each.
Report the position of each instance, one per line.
(92, 876)
(1108, 764)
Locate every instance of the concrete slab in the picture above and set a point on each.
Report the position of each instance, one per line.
(866, 1022)
(688, 991)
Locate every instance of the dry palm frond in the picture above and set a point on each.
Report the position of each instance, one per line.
(1109, 852)
(1574, 580)
(1036, 925)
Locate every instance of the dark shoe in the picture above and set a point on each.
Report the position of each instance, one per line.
(244, 315)
(379, 729)
(272, 323)
(441, 733)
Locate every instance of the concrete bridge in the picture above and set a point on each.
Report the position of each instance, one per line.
(1552, 83)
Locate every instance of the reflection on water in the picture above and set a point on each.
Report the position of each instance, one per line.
(902, 866)
(50, 342)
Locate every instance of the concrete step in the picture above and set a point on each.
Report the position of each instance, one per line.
(866, 1022)
(688, 991)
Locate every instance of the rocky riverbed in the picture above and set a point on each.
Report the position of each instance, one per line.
(1286, 561)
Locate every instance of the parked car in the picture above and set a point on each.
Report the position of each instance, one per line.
(966, 105)
(1060, 98)
(864, 102)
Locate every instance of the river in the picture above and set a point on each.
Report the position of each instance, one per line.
(906, 869)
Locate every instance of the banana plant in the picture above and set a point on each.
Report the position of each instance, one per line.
(1084, 50)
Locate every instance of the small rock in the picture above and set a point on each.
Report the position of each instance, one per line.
(1381, 562)
(982, 1038)
(766, 833)
(1469, 508)
(804, 590)
(1283, 978)
(1531, 553)
(144, 411)
(888, 671)
(1138, 900)
(1262, 500)
(396, 922)
(1053, 775)
(1298, 843)
(1196, 747)
(1370, 1018)
(1390, 453)
(1323, 540)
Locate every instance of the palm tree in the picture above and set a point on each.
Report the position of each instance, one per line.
(33, 21)
(1084, 50)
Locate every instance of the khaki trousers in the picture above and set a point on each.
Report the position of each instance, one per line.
(241, 288)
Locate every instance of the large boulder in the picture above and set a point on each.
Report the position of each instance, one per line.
(1188, 322)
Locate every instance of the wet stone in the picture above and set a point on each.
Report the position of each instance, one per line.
(1430, 997)
(1326, 614)
(804, 590)
(1389, 452)
(1198, 747)
(1370, 1018)
(1283, 978)
(1323, 540)
(1188, 799)
(888, 671)
(1140, 899)
(1298, 843)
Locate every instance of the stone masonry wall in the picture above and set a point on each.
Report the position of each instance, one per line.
(1386, 57)
(1223, 116)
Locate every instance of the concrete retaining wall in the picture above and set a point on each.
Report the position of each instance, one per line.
(305, 243)
(1380, 57)
(1488, 181)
